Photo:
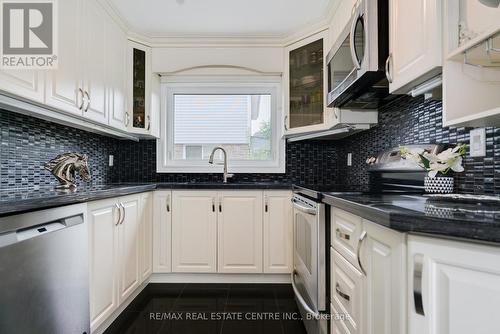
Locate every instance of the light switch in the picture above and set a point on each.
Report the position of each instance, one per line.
(349, 159)
(478, 143)
(111, 160)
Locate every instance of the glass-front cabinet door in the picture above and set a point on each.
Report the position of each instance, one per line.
(143, 93)
(306, 89)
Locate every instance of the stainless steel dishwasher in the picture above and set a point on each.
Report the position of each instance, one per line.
(44, 278)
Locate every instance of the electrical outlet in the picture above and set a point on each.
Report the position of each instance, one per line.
(111, 160)
(478, 143)
(349, 159)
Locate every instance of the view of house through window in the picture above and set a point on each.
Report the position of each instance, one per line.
(241, 124)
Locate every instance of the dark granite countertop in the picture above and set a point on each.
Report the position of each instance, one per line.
(422, 214)
(25, 200)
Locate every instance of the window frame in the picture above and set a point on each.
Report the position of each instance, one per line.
(258, 84)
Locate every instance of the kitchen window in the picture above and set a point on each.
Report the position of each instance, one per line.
(241, 115)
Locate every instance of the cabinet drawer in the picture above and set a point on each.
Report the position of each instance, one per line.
(337, 325)
(345, 231)
(346, 291)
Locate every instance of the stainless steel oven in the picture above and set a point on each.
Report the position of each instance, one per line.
(356, 77)
(309, 262)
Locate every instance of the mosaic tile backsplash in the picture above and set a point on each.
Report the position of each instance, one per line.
(27, 143)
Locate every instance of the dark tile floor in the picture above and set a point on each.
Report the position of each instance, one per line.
(211, 309)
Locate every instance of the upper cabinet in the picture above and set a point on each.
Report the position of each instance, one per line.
(471, 72)
(143, 112)
(305, 86)
(415, 43)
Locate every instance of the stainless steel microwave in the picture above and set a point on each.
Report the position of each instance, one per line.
(356, 76)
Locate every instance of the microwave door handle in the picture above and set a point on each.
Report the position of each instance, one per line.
(303, 208)
(301, 299)
(354, 57)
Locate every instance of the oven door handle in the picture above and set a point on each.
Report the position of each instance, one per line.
(301, 299)
(304, 208)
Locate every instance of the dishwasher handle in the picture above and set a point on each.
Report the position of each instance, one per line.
(34, 231)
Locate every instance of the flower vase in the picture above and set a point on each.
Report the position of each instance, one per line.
(438, 185)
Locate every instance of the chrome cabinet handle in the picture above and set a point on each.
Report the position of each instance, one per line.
(149, 123)
(354, 57)
(387, 68)
(168, 203)
(119, 214)
(213, 204)
(266, 206)
(418, 270)
(341, 294)
(303, 208)
(220, 205)
(358, 253)
(83, 98)
(286, 122)
(88, 101)
(123, 218)
(342, 235)
(127, 119)
(301, 299)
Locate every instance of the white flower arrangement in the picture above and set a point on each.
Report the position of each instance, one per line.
(442, 163)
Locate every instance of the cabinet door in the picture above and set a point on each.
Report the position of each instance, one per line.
(415, 42)
(194, 231)
(460, 287)
(146, 235)
(383, 257)
(305, 86)
(116, 64)
(346, 229)
(162, 232)
(23, 83)
(139, 82)
(240, 232)
(63, 88)
(102, 219)
(278, 232)
(347, 293)
(95, 47)
(129, 247)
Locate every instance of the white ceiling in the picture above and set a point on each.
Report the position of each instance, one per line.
(220, 17)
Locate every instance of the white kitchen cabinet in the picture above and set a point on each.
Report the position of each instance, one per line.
(278, 232)
(305, 86)
(383, 257)
(142, 116)
(27, 84)
(128, 246)
(116, 65)
(415, 43)
(94, 60)
(103, 217)
(64, 86)
(146, 236)
(369, 265)
(347, 293)
(453, 287)
(240, 232)
(162, 232)
(194, 231)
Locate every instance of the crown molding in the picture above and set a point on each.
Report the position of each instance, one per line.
(223, 40)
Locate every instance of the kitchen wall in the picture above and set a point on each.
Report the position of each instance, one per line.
(26, 143)
(415, 121)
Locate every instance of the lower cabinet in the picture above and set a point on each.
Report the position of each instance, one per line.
(240, 232)
(162, 232)
(278, 232)
(231, 231)
(194, 231)
(453, 287)
(118, 232)
(368, 289)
